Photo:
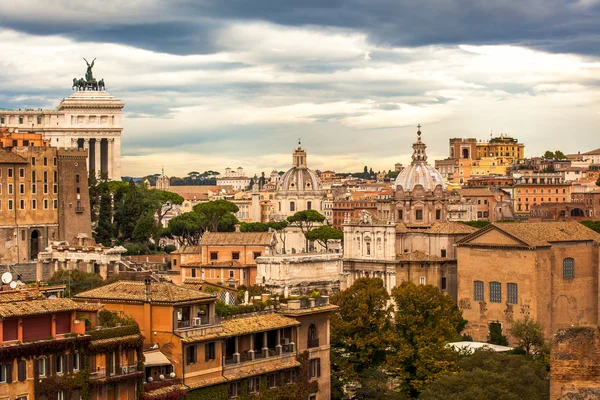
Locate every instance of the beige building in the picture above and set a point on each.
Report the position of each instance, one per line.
(88, 120)
(43, 197)
(547, 271)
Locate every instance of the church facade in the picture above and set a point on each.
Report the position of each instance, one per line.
(409, 238)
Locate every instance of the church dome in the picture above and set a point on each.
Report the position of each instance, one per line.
(299, 178)
(419, 172)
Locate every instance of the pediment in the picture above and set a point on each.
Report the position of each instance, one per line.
(492, 236)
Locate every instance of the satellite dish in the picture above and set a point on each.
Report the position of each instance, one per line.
(13, 285)
(7, 278)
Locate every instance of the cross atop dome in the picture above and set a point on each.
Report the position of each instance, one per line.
(419, 155)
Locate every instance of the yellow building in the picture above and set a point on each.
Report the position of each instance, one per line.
(504, 147)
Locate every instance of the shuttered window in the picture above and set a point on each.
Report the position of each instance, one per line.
(478, 291)
(63, 323)
(22, 371)
(36, 328)
(10, 330)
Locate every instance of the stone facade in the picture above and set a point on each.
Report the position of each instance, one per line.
(89, 120)
(575, 364)
(301, 273)
(546, 270)
(43, 197)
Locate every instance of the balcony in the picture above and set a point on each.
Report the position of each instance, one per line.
(193, 323)
(101, 372)
(313, 343)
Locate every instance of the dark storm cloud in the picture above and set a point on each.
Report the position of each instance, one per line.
(189, 26)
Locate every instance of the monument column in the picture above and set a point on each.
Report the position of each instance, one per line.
(97, 157)
(109, 159)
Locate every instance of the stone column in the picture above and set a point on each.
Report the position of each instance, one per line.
(90, 266)
(104, 271)
(265, 348)
(62, 265)
(278, 348)
(236, 353)
(251, 351)
(97, 158)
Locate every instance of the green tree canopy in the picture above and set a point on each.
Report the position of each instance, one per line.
(360, 330)
(187, 228)
(254, 227)
(215, 211)
(490, 375)
(529, 333)
(306, 219)
(324, 233)
(598, 181)
(164, 202)
(425, 320)
(76, 281)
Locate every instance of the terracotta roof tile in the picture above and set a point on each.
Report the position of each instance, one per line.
(264, 367)
(593, 152)
(89, 306)
(12, 296)
(451, 228)
(161, 292)
(237, 238)
(8, 157)
(475, 192)
(188, 250)
(206, 382)
(36, 307)
(252, 323)
(101, 342)
(309, 310)
(543, 233)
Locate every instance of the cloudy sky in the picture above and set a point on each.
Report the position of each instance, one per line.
(216, 83)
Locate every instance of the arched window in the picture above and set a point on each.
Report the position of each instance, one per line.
(42, 366)
(309, 205)
(292, 206)
(568, 268)
(313, 336)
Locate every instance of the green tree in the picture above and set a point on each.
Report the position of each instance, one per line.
(559, 155)
(360, 330)
(254, 227)
(598, 181)
(187, 228)
(129, 210)
(495, 335)
(425, 320)
(145, 228)
(374, 386)
(548, 155)
(306, 219)
(214, 211)
(593, 225)
(324, 233)
(164, 202)
(529, 333)
(105, 230)
(76, 281)
(491, 375)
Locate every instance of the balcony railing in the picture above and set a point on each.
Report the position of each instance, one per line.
(313, 343)
(122, 370)
(192, 323)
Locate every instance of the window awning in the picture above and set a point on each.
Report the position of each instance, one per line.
(155, 359)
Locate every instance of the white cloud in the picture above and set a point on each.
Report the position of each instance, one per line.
(356, 103)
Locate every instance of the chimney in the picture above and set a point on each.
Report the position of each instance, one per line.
(237, 227)
(148, 283)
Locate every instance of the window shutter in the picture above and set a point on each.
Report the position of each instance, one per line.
(52, 359)
(36, 368)
(22, 370)
(69, 360)
(117, 362)
(107, 362)
(9, 368)
(195, 354)
(75, 395)
(206, 350)
(318, 367)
